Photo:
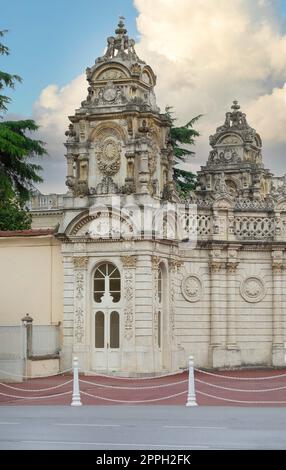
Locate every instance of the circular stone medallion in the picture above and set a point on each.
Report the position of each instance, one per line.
(252, 289)
(192, 288)
(109, 94)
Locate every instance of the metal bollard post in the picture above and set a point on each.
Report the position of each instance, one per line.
(191, 400)
(76, 393)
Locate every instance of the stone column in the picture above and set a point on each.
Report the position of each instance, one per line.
(277, 289)
(80, 280)
(70, 163)
(143, 172)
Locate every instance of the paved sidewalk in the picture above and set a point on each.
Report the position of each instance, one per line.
(220, 390)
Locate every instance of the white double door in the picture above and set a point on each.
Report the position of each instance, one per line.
(106, 339)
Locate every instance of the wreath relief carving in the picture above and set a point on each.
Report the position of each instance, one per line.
(252, 289)
(192, 288)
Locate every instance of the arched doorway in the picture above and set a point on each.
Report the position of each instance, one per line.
(106, 318)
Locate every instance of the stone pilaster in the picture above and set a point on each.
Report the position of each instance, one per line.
(80, 282)
(233, 356)
(277, 289)
(128, 334)
(216, 267)
(155, 267)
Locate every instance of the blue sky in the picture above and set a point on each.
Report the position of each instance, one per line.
(53, 41)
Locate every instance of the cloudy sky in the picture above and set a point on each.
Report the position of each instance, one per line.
(206, 53)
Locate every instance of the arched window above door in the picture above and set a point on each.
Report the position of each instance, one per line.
(107, 282)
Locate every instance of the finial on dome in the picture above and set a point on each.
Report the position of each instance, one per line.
(121, 30)
(235, 106)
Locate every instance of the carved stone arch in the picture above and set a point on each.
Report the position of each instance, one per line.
(112, 71)
(234, 182)
(108, 128)
(77, 223)
(106, 223)
(149, 72)
(280, 205)
(258, 140)
(230, 138)
(69, 231)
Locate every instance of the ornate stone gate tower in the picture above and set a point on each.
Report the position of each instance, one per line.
(117, 147)
(117, 140)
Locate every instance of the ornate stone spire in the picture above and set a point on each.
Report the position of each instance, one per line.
(235, 161)
(121, 46)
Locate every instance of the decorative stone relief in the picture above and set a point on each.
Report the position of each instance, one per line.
(79, 325)
(192, 288)
(109, 157)
(79, 285)
(80, 262)
(277, 261)
(111, 74)
(129, 261)
(253, 289)
(129, 289)
(106, 186)
(154, 263)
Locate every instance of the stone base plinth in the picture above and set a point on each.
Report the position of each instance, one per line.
(225, 357)
(278, 355)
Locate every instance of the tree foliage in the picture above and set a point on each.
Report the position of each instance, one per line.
(18, 173)
(182, 138)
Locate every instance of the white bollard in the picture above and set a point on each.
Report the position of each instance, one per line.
(76, 393)
(191, 400)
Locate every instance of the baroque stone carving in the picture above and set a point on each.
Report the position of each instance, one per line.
(111, 74)
(80, 262)
(129, 303)
(252, 289)
(106, 186)
(192, 288)
(109, 157)
(79, 285)
(79, 325)
(129, 261)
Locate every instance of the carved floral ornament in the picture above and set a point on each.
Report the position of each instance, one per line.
(109, 156)
(192, 288)
(253, 289)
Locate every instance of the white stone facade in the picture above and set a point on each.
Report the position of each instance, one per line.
(223, 300)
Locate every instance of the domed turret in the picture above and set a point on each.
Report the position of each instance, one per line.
(235, 166)
(118, 141)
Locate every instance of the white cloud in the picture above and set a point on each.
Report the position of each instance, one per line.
(205, 53)
(51, 113)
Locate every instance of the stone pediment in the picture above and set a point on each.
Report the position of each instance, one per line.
(100, 225)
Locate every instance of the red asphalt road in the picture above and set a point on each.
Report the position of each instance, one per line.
(24, 393)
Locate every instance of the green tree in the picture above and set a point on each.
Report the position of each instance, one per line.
(18, 173)
(182, 138)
